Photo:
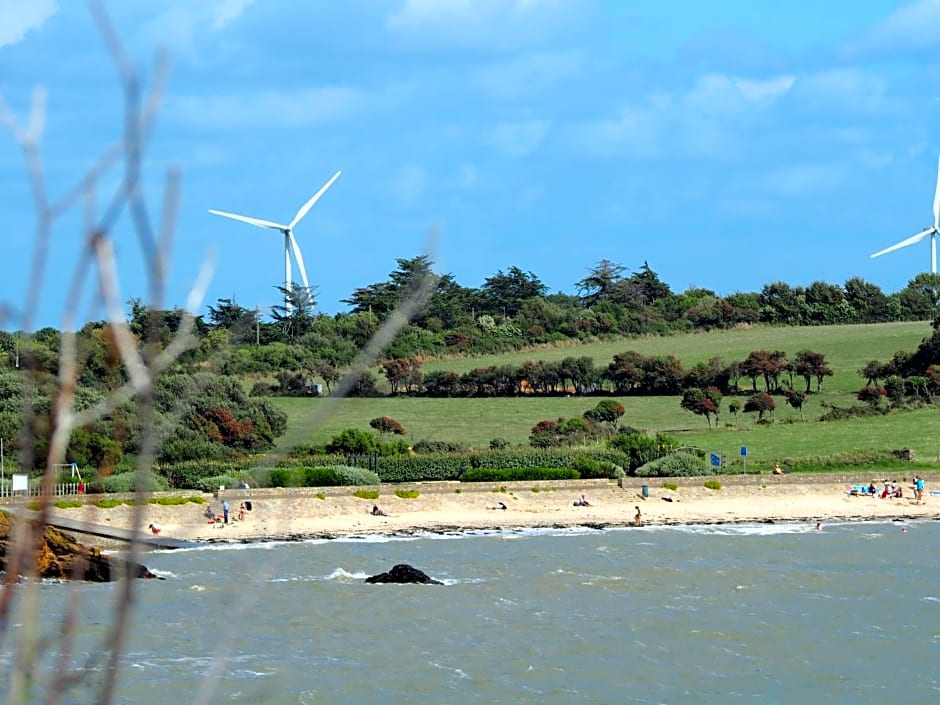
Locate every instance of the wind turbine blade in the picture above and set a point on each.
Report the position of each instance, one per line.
(936, 200)
(305, 208)
(904, 243)
(251, 221)
(300, 259)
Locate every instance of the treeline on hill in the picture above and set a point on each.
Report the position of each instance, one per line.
(203, 414)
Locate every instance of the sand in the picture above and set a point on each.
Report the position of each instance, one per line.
(296, 514)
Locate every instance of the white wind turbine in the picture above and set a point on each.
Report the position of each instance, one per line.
(930, 232)
(290, 242)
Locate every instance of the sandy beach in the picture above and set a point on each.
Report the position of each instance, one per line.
(454, 507)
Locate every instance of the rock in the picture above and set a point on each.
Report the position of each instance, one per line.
(403, 573)
(60, 556)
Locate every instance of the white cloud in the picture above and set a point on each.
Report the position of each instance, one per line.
(704, 121)
(912, 26)
(849, 90)
(18, 17)
(462, 23)
(227, 11)
(270, 108)
(527, 75)
(803, 180)
(409, 184)
(768, 88)
(518, 139)
(467, 176)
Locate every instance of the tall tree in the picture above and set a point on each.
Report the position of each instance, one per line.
(504, 293)
(296, 314)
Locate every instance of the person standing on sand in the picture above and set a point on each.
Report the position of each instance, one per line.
(225, 509)
(638, 519)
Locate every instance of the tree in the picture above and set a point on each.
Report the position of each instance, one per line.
(600, 283)
(295, 315)
(607, 412)
(734, 407)
(352, 441)
(762, 403)
(239, 321)
(810, 365)
(504, 293)
(797, 400)
(871, 395)
(386, 425)
(703, 402)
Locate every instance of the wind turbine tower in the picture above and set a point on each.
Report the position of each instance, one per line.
(290, 242)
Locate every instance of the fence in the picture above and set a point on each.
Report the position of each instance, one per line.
(60, 489)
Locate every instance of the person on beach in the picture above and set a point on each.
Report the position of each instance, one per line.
(818, 526)
(241, 512)
(638, 518)
(155, 529)
(582, 502)
(498, 505)
(225, 510)
(376, 512)
(918, 488)
(210, 512)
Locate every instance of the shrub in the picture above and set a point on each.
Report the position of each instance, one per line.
(349, 475)
(675, 465)
(264, 388)
(712, 485)
(407, 494)
(424, 447)
(175, 501)
(589, 468)
(670, 486)
(366, 494)
(353, 441)
(499, 444)
(518, 474)
(321, 477)
(211, 484)
(127, 482)
(279, 477)
(69, 504)
(108, 503)
(320, 495)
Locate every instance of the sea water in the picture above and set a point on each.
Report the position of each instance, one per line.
(776, 613)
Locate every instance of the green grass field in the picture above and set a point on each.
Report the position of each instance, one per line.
(477, 421)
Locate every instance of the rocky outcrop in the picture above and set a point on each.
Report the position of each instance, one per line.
(61, 556)
(403, 573)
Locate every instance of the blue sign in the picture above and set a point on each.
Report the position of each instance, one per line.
(716, 460)
(744, 450)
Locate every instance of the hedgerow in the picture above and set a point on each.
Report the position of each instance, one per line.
(518, 474)
(675, 465)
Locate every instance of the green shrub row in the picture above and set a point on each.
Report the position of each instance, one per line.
(597, 463)
(675, 465)
(518, 474)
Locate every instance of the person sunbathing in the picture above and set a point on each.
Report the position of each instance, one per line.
(582, 502)
(376, 512)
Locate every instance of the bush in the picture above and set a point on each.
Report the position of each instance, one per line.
(264, 388)
(213, 483)
(69, 504)
(670, 486)
(175, 501)
(108, 503)
(407, 494)
(321, 477)
(675, 465)
(712, 485)
(499, 444)
(279, 477)
(595, 469)
(127, 482)
(349, 475)
(366, 494)
(424, 447)
(518, 474)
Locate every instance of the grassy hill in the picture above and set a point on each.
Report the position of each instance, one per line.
(476, 421)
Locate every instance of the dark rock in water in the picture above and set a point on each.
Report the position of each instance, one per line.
(60, 556)
(403, 573)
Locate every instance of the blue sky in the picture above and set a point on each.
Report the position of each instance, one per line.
(729, 144)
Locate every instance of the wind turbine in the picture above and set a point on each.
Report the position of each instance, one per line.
(290, 242)
(930, 232)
